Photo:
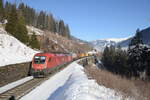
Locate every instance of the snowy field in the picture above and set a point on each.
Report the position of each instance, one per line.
(13, 51)
(71, 84)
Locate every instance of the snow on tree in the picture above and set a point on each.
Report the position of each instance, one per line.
(138, 56)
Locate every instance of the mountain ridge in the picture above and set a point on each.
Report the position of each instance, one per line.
(100, 44)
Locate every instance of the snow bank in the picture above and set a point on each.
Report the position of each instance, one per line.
(13, 51)
(14, 84)
(71, 84)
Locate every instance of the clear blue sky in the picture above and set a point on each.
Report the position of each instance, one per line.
(98, 19)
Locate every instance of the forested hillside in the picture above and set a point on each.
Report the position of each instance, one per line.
(43, 20)
(21, 15)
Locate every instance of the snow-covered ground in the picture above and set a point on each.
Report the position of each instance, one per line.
(13, 51)
(14, 84)
(71, 84)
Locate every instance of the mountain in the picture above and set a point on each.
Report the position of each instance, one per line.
(102, 43)
(145, 37)
(99, 45)
(123, 42)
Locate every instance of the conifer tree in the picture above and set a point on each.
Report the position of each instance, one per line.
(21, 9)
(1, 10)
(11, 26)
(108, 58)
(67, 31)
(148, 63)
(105, 56)
(22, 33)
(34, 42)
(51, 23)
(136, 54)
(61, 28)
(120, 62)
(16, 26)
(137, 39)
(7, 9)
(41, 20)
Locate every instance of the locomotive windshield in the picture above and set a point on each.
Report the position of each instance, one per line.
(39, 59)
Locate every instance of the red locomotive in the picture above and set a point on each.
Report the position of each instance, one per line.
(44, 63)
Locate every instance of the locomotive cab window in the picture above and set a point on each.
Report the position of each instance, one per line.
(39, 59)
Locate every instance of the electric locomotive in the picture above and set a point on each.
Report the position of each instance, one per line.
(44, 63)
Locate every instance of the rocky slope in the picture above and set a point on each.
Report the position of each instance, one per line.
(53, 42)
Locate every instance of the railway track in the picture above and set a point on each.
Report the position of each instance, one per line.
(23, 89)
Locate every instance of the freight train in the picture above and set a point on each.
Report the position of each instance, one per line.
(44, 63)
